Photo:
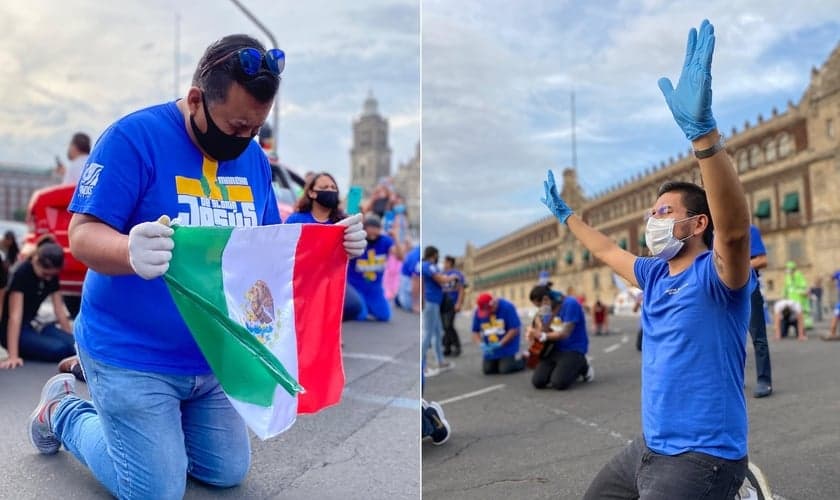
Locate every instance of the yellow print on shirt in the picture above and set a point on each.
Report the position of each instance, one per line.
(493, 329)
(215, 201)
(372, 265)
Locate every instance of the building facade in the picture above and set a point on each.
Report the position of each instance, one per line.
(407, 184)
(370, 157)
(788, 163)
(17, 183)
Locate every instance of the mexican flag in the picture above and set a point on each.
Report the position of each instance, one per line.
(264, 305)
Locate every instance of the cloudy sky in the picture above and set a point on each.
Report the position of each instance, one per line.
(80, 64)
(497, 77)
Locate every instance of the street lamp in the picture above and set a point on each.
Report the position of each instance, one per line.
(271, 38)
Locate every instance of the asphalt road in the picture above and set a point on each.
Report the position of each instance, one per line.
(367, 447)
(510, 440)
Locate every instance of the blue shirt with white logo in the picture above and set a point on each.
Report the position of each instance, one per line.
(144, 166)
(693, 354)
(452, 288)
(493, 327)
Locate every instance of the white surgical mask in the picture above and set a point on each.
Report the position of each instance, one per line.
(659, 237)
(545, 310)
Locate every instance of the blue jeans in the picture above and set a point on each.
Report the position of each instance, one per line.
(432, 330)
(50, 344)
(143, 433)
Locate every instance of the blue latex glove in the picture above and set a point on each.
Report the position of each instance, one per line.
(489, 348)
(553, 200)
(691, 102)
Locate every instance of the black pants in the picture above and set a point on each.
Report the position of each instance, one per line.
(502, 366)
(560, 369)
(638, 472)
(758, 332)
(451, 342)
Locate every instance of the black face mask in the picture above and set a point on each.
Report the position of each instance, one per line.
(219, 145)
(373, 240)
(328, 199)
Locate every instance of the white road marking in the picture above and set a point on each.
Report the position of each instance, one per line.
(396, 402)
(625, 339)
(471, 394)
(612, 348)
(372, 357)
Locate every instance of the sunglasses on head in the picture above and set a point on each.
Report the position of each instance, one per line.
(251, 60)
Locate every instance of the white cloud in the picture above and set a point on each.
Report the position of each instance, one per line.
(81, 64)
(496, 83)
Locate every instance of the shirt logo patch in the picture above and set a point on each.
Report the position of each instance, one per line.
(90, 176)
(674, 291)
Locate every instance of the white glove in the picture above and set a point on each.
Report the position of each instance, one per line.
(150, 248)
(354, 235)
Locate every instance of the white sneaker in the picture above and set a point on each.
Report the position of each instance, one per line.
(4, 355)
(446, 365)
(431, 372)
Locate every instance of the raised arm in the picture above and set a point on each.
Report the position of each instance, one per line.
(601, 246)
(691, 105)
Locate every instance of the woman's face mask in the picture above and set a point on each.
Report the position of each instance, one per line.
(659, 237)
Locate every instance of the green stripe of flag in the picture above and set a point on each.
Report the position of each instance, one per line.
(246, 369)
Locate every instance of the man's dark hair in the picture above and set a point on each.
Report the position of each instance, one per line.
(430, 252)
(450, 259)
(695, 201)
(541, 291)
(219, 68)
(81, 142)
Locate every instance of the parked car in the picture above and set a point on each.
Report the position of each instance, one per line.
(47, 214)
(287, 188)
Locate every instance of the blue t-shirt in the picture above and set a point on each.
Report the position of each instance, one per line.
(451, 289)
(143, 166)
(411, 262)
(571, 311)
(693, 354)
(495, 326)
(756, 245)
(432, 291)
(836, 278)
(303, 218)
(365, 272)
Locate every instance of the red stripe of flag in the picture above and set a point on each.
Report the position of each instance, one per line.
(318, 283)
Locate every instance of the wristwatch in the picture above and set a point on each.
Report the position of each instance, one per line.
(709, 152)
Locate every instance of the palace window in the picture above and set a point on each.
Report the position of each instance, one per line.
(785, 145)
(755, 156)
(791, 202)
(770, 151)
(762, 209)
(743, 161)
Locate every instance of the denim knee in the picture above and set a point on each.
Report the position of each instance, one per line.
(231, 472)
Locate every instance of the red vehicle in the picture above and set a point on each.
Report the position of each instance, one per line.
(47, 214)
